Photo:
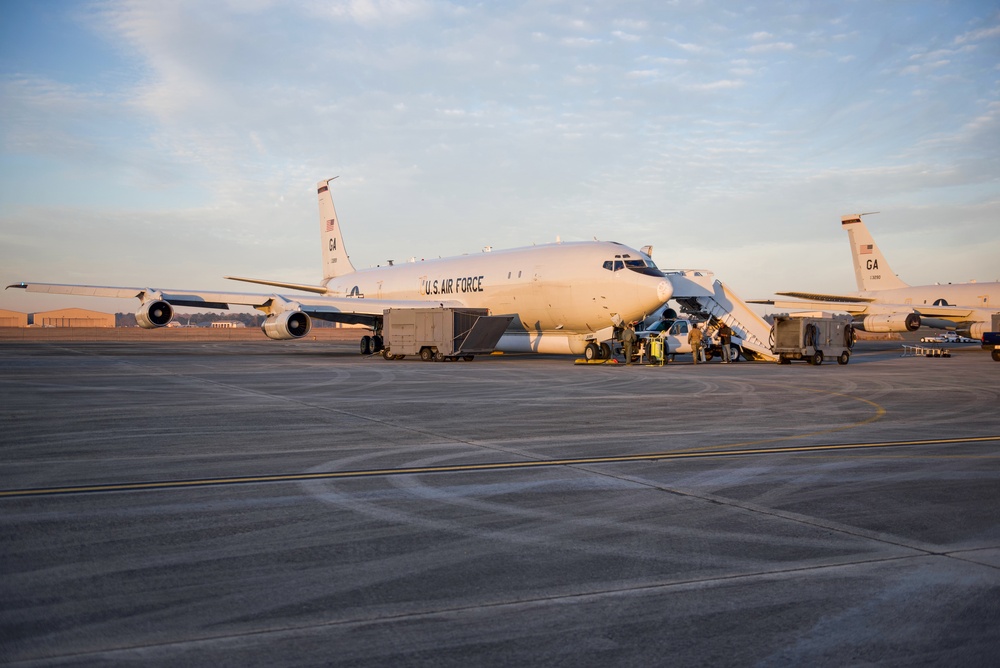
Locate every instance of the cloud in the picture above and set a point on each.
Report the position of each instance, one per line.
(372, 12)
(770, 47)
(978, 35)
(626, 37)
(501, 123)
(580, 42)
(724, 84)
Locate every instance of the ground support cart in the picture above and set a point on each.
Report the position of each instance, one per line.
(812, 339)
(657, 350)
(439, 334)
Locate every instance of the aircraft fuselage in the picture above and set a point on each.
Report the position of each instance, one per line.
(972, 295)
(561, 289)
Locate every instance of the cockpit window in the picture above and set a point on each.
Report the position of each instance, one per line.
(643, 266)
(627, 262)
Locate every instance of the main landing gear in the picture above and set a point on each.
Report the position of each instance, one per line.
(594, 351)
(371, 344)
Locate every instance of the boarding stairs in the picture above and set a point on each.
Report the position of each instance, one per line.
(697, 291)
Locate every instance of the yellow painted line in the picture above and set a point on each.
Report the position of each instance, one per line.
(459, 468)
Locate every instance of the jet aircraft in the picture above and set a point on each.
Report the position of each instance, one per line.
(884, 303)
(566, 298)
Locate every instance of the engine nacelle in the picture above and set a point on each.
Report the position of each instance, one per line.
(153, 314)
(977, 330)
(286, 325)
(897, 322)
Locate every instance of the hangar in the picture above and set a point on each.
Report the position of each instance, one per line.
(13, 319)
(74, 317)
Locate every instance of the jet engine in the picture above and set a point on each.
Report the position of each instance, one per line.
(286, 325)
(153, 314)
(896, 322)
(977, 329)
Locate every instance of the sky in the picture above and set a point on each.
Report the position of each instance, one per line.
(168, 144)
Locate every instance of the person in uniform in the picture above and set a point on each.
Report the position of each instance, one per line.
(694, 338)
(628, 342)
(726, 338)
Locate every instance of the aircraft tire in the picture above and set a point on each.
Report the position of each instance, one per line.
(366, 345)
(591, 352)
(605, 351)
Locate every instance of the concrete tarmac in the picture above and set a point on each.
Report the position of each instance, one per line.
(265, 503)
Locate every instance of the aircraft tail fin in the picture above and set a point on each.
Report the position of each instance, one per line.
(871, 270)
(335, 259)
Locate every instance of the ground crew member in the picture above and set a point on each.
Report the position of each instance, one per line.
(726, 337)
(628, 342)
(694, 338)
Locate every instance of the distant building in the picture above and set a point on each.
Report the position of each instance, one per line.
(13, 319)
(227, 324)
(74, 317)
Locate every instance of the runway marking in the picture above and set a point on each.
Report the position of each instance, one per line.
(494, 466)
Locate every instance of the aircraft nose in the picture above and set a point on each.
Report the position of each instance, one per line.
(664, 290)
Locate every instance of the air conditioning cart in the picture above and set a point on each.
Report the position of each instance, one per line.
(438, 334)
(812, 339)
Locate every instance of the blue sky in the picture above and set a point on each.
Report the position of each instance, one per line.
(167, 144)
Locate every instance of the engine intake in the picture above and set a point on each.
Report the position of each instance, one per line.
(286, 325)
(897, 322)
(153, 314)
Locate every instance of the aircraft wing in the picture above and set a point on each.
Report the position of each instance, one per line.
(958, 314)
(335, 309)
(852, 307)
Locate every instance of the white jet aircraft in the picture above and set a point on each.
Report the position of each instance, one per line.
(884, 303)
(567, 298)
